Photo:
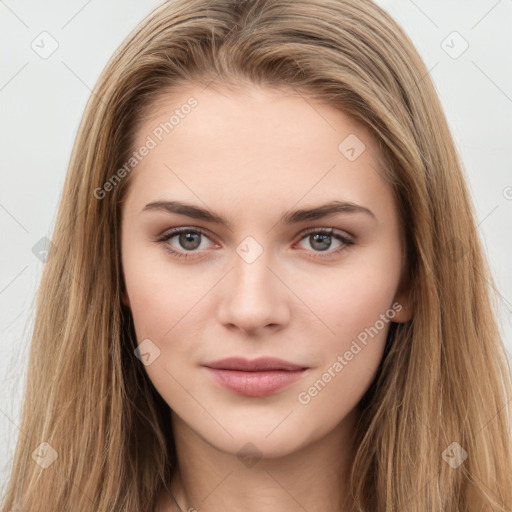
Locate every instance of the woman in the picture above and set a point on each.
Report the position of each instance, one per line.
(265, 289)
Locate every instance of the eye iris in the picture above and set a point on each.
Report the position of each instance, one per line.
(187, 240)
(324, 239)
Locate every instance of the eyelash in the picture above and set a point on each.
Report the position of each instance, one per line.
(346, 242)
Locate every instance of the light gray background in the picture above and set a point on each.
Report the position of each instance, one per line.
(42, 101)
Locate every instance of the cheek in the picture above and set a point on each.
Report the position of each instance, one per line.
(161, 302)
(359, 310)
(353, 298)
(158, 295)
(356, 311)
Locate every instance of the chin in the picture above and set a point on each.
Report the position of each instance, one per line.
(257, 444)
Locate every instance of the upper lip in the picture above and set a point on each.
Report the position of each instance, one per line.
(260, 364)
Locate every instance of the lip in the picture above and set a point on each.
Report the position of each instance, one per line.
(253, 365)
(257, 377)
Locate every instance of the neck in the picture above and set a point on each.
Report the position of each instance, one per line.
(312, 478)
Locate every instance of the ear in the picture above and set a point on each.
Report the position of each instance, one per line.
(402, 305)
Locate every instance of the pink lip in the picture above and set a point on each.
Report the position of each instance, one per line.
(259, 364)
(259, 377)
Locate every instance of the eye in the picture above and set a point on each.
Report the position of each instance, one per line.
(188, 241)
(321, 239)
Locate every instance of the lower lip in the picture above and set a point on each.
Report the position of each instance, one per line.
(255, 383)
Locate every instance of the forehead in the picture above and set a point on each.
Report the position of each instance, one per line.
(256, 145)
(249, 110)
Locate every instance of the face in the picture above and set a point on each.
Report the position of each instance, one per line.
(259, 225)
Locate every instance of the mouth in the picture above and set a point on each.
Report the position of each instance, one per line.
(256, 378)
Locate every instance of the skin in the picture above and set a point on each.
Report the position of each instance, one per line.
(250, 157)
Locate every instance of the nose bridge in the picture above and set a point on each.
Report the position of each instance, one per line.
(251, 276)
(251, 298)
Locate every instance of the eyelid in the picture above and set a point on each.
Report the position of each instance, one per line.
(301, 235)
(171, 233)
(328, 231)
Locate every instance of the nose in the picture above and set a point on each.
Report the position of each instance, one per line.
(253, 298)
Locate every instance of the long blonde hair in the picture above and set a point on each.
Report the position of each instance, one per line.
(444, 377)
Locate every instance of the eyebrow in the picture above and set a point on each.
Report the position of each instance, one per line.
(291, 217)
